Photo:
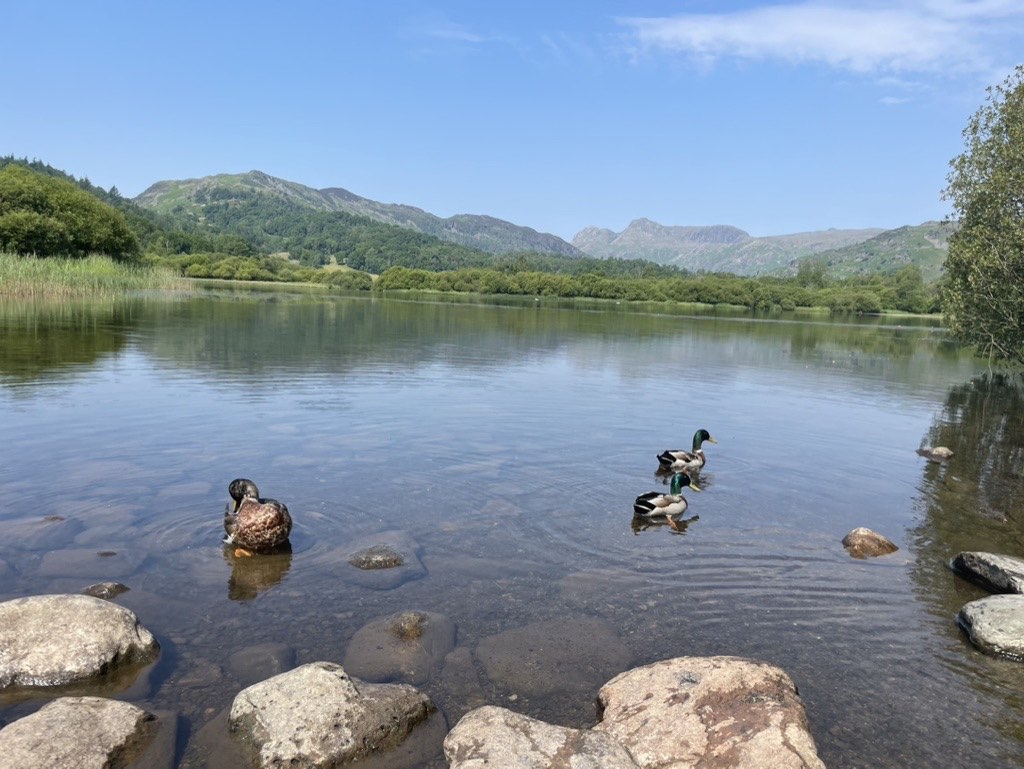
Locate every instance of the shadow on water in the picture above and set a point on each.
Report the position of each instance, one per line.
(973, 502)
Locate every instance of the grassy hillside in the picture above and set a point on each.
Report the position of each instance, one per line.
(189, 198)
(924, 246)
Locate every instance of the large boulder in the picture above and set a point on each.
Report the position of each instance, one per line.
(725, 712)
(53, 640)
(318, 716)
(995, 624)
(495, 737)
(999, 573)
(78, 733)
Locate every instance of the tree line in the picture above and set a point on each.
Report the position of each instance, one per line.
(905, 290)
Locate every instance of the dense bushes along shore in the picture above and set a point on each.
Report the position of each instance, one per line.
(902, 291)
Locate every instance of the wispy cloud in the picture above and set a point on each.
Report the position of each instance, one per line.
(448, 30)
(868, 37)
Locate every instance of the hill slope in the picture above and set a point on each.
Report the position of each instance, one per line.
(188, 197)
(925, 245)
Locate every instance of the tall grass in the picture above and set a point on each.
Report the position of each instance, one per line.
(28, 276)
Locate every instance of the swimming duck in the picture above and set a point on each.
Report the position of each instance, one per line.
(655, 504)
(677, 459)
(259, 525)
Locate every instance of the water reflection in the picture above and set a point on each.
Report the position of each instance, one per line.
(50, 339)
(484, 408)
(674, 525)
(254, 574)
(973, 501)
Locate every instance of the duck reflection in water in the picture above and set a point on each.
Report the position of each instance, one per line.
(675, 525)
(252, 575)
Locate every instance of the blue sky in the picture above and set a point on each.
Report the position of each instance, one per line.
(776, 117)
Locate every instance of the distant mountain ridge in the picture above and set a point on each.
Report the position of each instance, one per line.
(716, 248)
(186, 197)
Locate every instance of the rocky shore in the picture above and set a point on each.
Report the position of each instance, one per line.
(682, 712)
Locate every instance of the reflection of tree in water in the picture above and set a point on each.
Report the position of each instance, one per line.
(983, 422)
(251, 575)
(40, 338)
(975, 501)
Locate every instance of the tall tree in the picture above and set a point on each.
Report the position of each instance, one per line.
(983, 299)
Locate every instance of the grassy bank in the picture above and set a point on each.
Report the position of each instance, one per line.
(27, 276)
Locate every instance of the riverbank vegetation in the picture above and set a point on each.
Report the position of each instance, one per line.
(904, 291)
(46, 213)
(94, 275)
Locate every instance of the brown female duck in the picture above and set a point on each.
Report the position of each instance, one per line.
(255, 524)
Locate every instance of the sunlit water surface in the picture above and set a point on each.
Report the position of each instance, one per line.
(507, 443)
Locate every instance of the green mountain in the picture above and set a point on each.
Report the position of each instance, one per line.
(924, 245)
(718, 248)
(187, 200)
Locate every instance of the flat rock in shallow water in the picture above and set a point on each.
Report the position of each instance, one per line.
(571, 656)
(52, 640)
(709, 712)
(495, 737)
(261, 661)
(317, 716)
(42, 532)
(998, 573)
(995, 624)
(79, 732)
(865, 543)
(403, 647)
(89, 563)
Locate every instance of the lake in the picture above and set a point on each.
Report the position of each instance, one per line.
(504, 443)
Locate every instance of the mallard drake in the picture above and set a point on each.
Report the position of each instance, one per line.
(657, 504)
(677, 459)
(255, 524)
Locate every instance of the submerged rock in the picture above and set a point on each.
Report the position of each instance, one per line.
(935, 453)
(709, 711)
(495, 737)
(52, 640)
(106, 590)
(405, 647)
(318, 716)
(571, 656)
(382, 561)
(260, 661)
(998, 573)
(995, 624)
(865, 543)
(79, 732)
(376, 557)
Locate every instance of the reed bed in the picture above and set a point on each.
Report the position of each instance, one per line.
(28, 276)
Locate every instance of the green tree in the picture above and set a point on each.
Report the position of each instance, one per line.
(47, 216)
(983, 297)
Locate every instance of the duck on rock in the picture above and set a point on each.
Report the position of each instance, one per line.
(256, 525)
(691, 461)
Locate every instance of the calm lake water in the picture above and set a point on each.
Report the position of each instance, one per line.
(506, 444)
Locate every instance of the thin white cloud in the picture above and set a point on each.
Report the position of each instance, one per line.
(448, 30)
(913, 36)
